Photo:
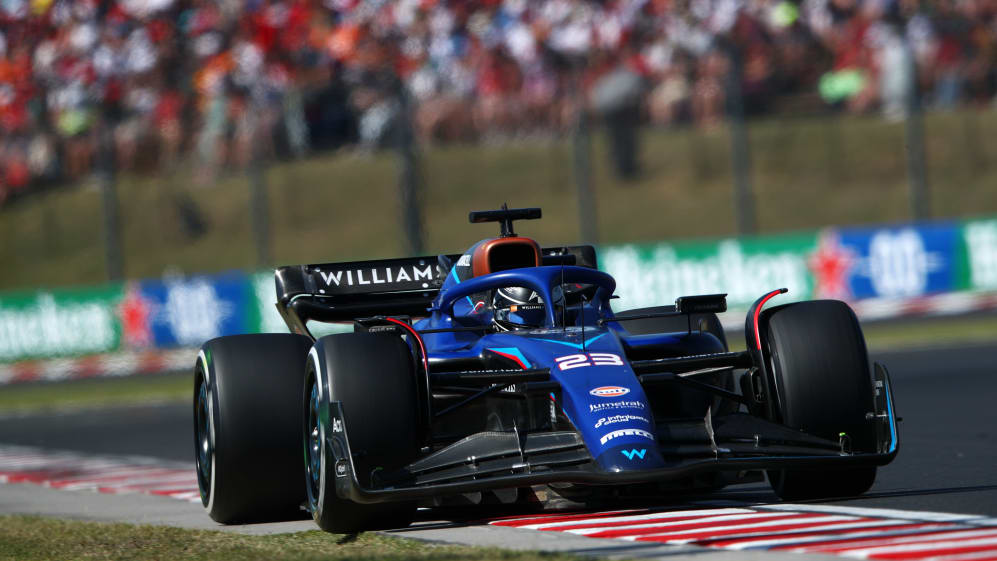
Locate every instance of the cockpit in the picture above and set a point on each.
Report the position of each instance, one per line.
(510, 307)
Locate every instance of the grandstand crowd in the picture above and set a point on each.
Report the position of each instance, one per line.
(214, 82)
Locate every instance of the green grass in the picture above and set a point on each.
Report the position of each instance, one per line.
(96, 392)
(806, 173)
(30, 538)
(930, 332)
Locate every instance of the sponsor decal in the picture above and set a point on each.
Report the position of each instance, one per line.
(69, 322)
(634, 452)
(619, 419)
(597, 407)
(899, 263)
(135, 312)
(902, 262)
(194, 311)
(378, 275)
(464, 261)
(269, 317)
(647, 274)
(609, 391)
(831, 264)
(559, 331)
(337, 425)
(568, 362)
(625, 432)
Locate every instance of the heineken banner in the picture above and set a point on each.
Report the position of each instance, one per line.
(898, 263)
(188, 312)
(894, 262)
(263, 310)
(652, 275)
(59, 323)
(979, 240)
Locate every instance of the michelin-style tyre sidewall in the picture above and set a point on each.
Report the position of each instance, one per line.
(247, 428)
(372, 375)
(819, 369)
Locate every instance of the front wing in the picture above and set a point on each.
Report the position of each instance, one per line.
(506, 460)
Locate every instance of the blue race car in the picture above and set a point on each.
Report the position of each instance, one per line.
(504, 374)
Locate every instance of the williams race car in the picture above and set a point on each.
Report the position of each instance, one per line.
(505, 373)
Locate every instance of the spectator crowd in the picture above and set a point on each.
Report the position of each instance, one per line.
(214, 83)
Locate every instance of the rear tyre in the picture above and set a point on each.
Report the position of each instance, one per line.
(373, 376)
(820, 371)
(247, 426)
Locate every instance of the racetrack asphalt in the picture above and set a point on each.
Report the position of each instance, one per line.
(947, 460)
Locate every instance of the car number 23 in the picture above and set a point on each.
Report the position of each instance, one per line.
(568, 362)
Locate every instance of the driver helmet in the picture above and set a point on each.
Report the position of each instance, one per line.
(516, 307)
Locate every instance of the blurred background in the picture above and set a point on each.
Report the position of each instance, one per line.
(159, 157)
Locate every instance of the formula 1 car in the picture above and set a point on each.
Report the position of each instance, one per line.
(503, 373)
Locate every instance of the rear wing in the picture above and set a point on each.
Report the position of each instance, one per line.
(331, 292)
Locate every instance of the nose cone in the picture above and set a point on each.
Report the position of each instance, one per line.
(610, 410)
(604, 400)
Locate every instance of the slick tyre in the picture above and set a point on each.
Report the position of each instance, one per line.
(820, 373)
(372, 375)
(247, 426)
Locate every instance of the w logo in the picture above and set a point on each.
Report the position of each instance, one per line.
(633, 452)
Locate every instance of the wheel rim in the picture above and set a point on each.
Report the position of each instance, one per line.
(204, 452)
(313, 447)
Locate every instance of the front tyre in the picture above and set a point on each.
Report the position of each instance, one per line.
(373, 377)
(820, 372)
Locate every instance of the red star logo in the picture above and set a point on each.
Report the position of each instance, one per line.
(134, 311)
(831, 263)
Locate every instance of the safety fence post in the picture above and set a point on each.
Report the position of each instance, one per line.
(107, 179)
(917, 173)
(409, 179)
(258, 200)
(744, 200)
